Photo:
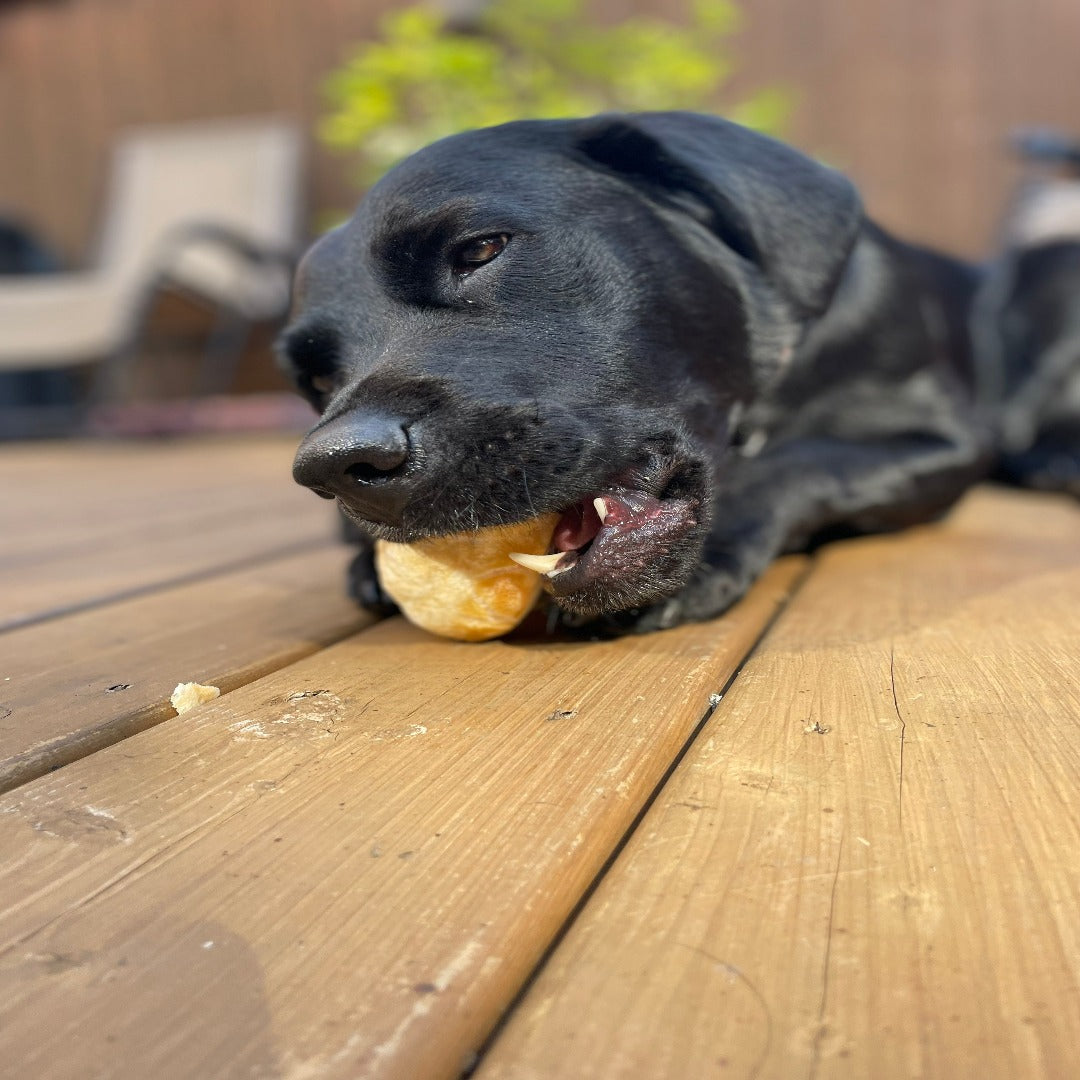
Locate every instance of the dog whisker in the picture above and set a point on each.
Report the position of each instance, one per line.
(528, 497)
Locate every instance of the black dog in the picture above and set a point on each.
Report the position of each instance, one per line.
(1028, 323)
(662, 318)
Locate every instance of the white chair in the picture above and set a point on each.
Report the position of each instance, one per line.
(211, 209)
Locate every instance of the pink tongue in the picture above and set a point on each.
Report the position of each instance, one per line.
(576, 527)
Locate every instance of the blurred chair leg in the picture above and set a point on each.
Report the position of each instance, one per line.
(224, 349)
(114, 374)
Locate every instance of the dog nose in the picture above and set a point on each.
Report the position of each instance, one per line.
(364, 459)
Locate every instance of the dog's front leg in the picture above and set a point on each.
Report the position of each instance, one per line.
(361, 581)
(782, 500)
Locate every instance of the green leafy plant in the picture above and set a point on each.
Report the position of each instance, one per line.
(426, 78)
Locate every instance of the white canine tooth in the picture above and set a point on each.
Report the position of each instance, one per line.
(542, 564)
(601, 508)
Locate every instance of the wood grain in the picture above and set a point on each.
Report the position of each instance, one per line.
(868, 864)
(85, 523)
(346, 868)
(71, 686)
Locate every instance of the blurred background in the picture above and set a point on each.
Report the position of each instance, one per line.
(162, 164)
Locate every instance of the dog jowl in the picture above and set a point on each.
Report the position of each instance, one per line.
(664, 320)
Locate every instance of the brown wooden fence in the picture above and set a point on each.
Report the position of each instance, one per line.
(912, 97)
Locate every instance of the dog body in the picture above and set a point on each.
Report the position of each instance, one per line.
(689, 322)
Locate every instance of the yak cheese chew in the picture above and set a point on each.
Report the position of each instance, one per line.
(465, 586)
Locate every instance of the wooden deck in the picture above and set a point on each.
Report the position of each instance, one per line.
(833, 834)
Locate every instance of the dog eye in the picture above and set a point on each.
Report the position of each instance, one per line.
(475, 253)
(310, 356)
(324, 384)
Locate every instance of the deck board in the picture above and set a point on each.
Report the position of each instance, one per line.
(345, 868)
(70, 686)
(86, 523)
(868, 864)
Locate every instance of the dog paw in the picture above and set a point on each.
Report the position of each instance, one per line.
(661, 616)
(705, 598)
(1045, 469)
(362, 584)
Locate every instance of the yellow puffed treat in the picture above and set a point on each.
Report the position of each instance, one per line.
(466, 586)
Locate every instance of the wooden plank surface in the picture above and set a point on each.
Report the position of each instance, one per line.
(346, 868)
(71, 686)
(86, 522)
(868, 864)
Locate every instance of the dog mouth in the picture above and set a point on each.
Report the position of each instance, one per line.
(607, 541)
(631, 541)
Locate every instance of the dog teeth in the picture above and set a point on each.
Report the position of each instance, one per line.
(601, 508)
(542, 564)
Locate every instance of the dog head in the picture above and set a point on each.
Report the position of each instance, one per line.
(561, 316)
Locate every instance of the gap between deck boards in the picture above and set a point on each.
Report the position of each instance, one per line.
(23, 768)
(271, 850)
(530, 980)
(21, 622)
(777, 914)
(68, 724)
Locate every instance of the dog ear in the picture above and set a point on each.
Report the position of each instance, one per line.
(773, 206)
